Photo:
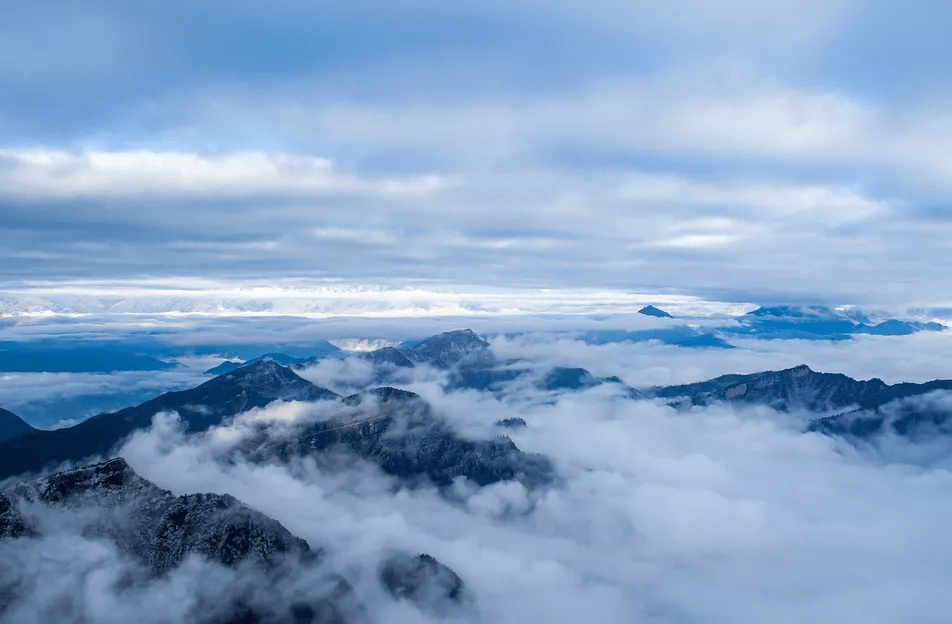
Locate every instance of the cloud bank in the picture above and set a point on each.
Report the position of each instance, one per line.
(729, 151)
(659, 516)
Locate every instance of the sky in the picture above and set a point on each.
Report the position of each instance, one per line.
(731, 151)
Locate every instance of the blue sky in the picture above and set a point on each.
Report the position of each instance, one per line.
(734, 150)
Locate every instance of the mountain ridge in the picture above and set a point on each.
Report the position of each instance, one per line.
(12, 425)
(201, 407)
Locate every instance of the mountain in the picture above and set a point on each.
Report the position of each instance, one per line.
(202, 407)
(277, 358)
(650, 310)
(819, 323)
(158, 528)
(485, 376)
(159, 531)
(398, 431)
(925, 418)
(562, 378)
(393, 428)
(681, 336)
(918, 412)
(423, 580)
(12, 425)
(388, 355)
(449, 348)
(799, 388)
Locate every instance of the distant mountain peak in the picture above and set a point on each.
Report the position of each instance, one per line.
(791, 311)
(448, 348)
(650, 310)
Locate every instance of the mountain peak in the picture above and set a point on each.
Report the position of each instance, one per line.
(448, 348)
(799, 371)
(650, 310)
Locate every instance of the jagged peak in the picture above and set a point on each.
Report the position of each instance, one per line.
(111, 475)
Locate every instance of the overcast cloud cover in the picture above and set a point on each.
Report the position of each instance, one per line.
(732, 150)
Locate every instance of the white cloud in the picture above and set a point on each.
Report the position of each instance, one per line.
(715, 515)
(321, 299)
(47, 172)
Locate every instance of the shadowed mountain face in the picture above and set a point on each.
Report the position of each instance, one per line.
(920, 418)
(202, 407)
(159, 531)
(273, 577)
(393, 428)
(155, 526)
(398, 431)
(799, 388)
(12, 425)
(423, 580)
(816, 322)
(867, 407)
(388, 355)
(449, 348)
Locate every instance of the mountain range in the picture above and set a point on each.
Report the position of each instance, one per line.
(427, 446)
(841, 405)
(393, 428)
(158, 531)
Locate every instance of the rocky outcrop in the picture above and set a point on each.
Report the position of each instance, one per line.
(423, 580)
(845, 406)
(159, 531)
(398, 431)
(799, 388)
(450, 348)
(155, 526)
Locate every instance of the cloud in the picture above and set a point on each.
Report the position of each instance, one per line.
(54, 173)
(146, 302)
(660, 516)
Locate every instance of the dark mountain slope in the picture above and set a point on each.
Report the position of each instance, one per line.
(202, 407)
(159, 531)
(12, 425)
(799, 388)
(388, 355)
(449, 348)
(157, 527)
(398, 431)
(918, 412)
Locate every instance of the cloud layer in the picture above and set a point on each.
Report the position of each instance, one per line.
(714, 515)
(728, 150)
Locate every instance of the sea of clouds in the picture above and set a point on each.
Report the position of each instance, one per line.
(712, 515)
